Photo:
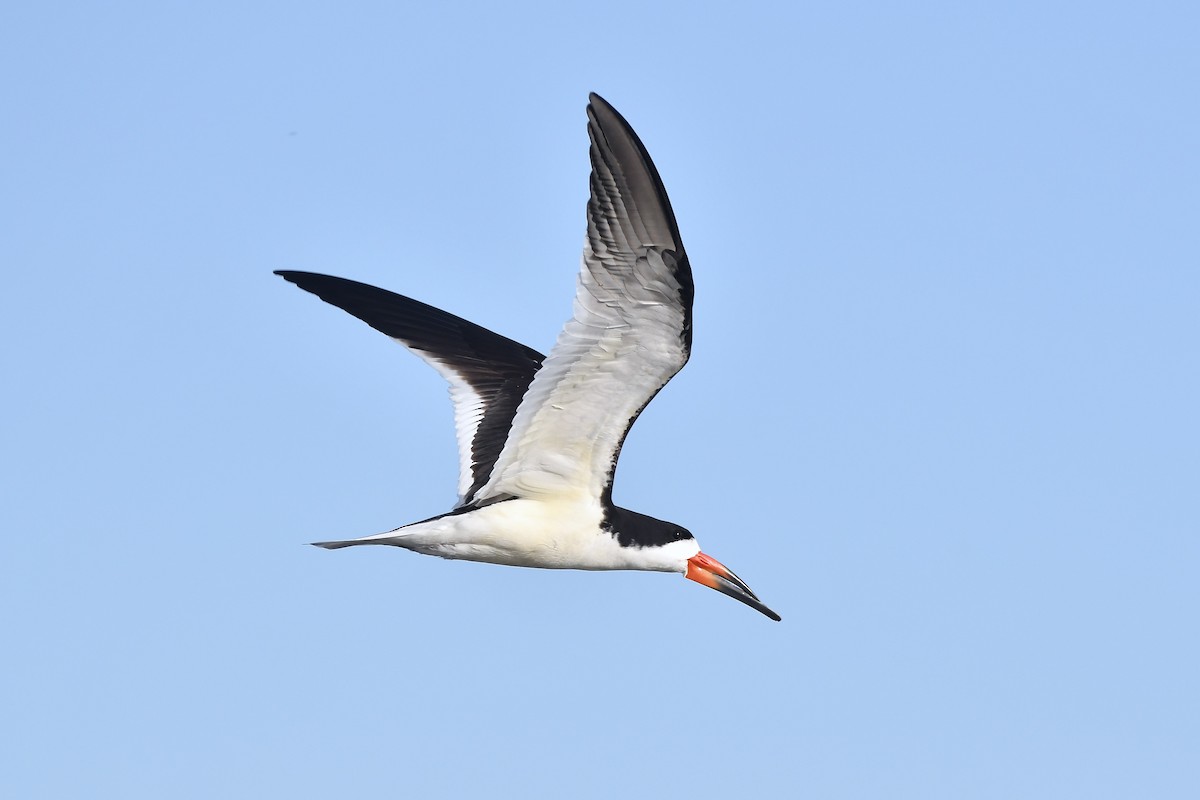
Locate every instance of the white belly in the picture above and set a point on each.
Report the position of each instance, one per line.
(555, 534)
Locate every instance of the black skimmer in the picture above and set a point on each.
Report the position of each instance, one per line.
(539, 437)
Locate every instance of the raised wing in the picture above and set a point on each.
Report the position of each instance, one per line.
(488, 374)
(631, 331)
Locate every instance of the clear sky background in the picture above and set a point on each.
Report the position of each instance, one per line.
(941, 412)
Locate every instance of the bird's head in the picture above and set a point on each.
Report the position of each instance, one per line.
(672, 548)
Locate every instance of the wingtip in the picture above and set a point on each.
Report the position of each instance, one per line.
(604, 113)
(311, 281)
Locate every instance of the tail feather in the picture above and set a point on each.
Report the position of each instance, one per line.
(382, 538)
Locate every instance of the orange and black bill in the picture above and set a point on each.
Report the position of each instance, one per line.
(715, 575)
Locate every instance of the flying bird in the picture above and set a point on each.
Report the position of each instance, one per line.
(539, 437)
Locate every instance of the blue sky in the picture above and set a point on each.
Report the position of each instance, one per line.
(940, 414)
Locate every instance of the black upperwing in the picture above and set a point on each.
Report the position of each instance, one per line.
(488, 373)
